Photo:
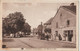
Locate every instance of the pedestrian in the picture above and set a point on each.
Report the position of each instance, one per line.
(11, 35)
(60, 38)
(47, 36)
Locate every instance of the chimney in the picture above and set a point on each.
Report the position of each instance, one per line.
(72, 4)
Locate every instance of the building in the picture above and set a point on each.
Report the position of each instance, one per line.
(40, 31)
(47, 27)
(48, 23)
(35, 31)
(64, 24)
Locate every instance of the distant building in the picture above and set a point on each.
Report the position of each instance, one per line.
(40, 31)
(48, 23)
(64, 24)
(40, 28)
(35, 31)
(47, 26)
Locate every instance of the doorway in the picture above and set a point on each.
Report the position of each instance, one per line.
(70, 35)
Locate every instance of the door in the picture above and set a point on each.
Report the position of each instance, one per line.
(70, 35)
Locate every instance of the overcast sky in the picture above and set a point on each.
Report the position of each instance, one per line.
(34, 13)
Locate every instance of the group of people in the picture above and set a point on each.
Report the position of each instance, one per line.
(44, 36)
(58, 36)
(18, 34)
(47, 36)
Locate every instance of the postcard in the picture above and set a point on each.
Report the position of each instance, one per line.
(39, 25)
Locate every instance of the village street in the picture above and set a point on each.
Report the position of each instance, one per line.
(34, 42)
(39, 26)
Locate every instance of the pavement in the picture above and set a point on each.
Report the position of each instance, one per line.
(33, 42)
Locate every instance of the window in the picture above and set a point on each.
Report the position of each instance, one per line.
(56, 24)
(68, 23)
(61, 16)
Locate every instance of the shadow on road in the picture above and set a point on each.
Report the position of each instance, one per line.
(8, 40)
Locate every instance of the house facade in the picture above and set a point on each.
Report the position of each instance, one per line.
(47, 24)
(64, 24)
(47, 28)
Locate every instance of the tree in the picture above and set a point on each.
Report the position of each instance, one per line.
(26, 28)
(13, 23)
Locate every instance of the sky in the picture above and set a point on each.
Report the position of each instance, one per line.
(34, 13)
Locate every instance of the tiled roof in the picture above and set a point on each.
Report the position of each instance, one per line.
(71, 8)
(49, 21)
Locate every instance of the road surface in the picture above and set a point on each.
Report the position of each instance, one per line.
(33, 42)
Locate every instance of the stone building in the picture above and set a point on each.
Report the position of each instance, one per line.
(48, 23)
(64, 24)
(47, 27)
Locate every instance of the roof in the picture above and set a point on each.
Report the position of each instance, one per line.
(49, 21)
(71, 8)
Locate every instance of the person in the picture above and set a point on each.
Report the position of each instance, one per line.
(47, 36)
(11, 35)
(60, 38)
(43, 36)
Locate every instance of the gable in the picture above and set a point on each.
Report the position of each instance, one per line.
(62, 16)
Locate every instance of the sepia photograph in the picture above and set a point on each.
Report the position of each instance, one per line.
(39, 25)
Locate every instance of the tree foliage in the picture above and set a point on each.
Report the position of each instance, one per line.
(26, 28)
(13, 23)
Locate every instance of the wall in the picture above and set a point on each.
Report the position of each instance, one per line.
(62, 22)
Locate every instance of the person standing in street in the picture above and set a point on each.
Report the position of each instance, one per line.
(47, 36)
(60, 38)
